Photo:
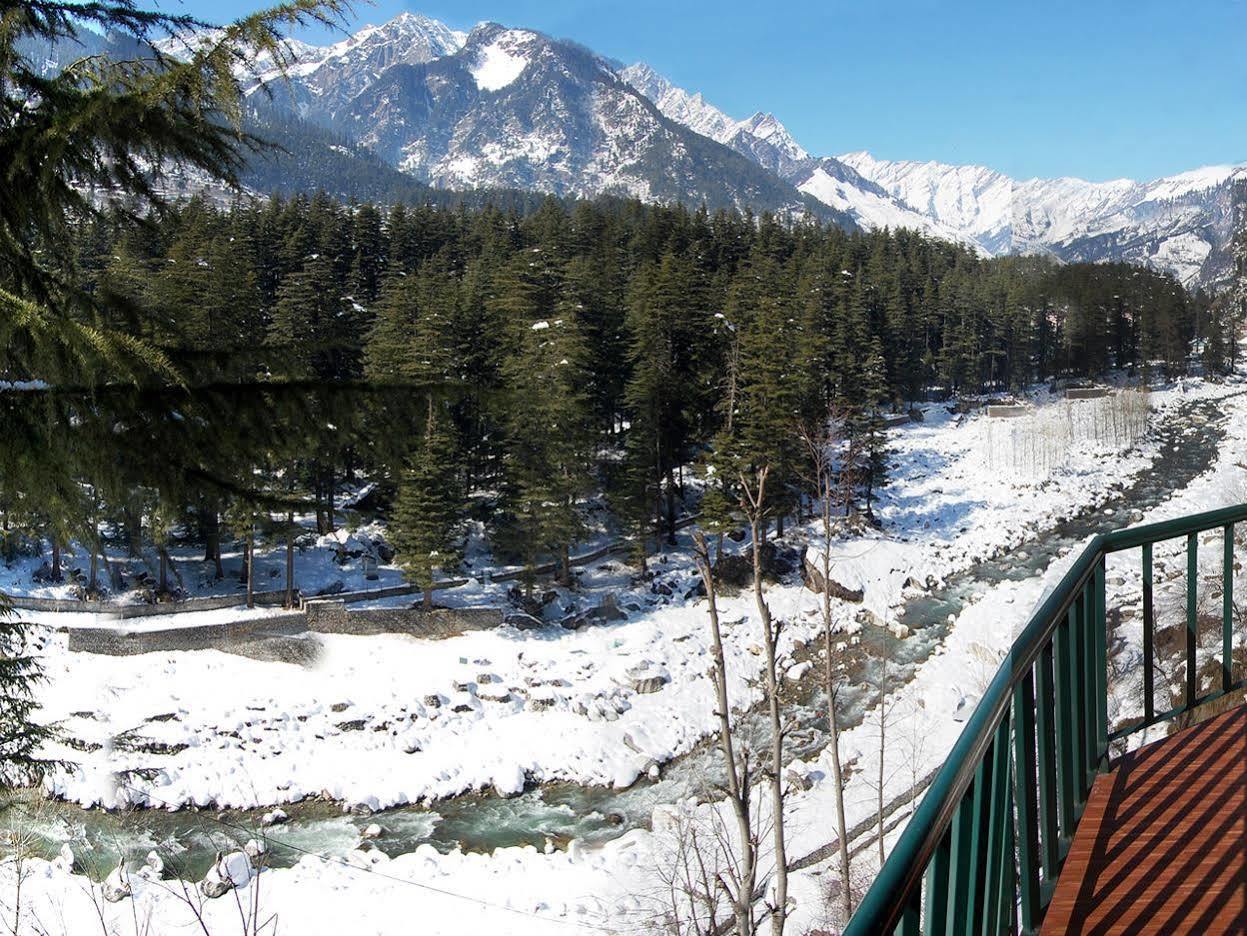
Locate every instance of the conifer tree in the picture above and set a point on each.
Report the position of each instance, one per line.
(427, 516)
(546, 465)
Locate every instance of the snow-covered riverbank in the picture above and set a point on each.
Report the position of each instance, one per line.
(361, 725)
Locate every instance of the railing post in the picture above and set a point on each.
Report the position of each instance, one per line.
(1192, 623)
(980, 828)
(936, 920)
(1067, 761)
(1099, 624)
(1025, 782)
(998, 874)
(1050, 814)
(1090, 712)
(911, 917)
(962, 870)
(1227, 610)
(1149, 639)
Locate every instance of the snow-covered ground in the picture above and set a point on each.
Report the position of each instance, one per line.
(600, 705)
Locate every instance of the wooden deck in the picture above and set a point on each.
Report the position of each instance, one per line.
(1162, 846)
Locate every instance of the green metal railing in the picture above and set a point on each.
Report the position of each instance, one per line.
(982, 853)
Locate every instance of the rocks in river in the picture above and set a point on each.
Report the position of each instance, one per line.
(795, 672)
(355, 724)
(227, 872)
(813, 578)
(372, 831)
(116, 886)
(602, 707)
(605, 613)
(646, 677)
(542, 698)
(153, 868)
(339, 706)
(433, 701)
(255, 849)
(736, 572)
(521, 620)
(965, 707)
(274, 817)
(798, 777)
(64, 860)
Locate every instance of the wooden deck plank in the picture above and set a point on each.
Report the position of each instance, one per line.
(1162, 845)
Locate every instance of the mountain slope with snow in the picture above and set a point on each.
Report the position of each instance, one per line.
(515, 108)
(766, 141)
(1181, 224)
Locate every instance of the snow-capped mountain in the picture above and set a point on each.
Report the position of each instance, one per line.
(325, 79)
(767, 142)
(1181, 224)
(514, 108)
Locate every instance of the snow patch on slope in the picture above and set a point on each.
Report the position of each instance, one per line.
(500, 62)
(869, 209)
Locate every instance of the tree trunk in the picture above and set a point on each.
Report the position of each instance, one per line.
(670, 508)
(289, 602)
(210, 523)
(769, 640)
(56, 560)
(330, 527)
(756, 499)
(251, 567)
(738, 788)
(164, 571)
(133, 522)
(565, 566)
(882, 738)
(426, 596)
(837, 773)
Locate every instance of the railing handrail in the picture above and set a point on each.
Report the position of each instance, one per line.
(900, 879)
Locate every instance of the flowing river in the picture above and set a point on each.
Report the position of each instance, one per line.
(552, 814)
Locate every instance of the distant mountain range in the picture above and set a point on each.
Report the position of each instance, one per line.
(411, 107)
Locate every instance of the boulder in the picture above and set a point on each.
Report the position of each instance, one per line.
(647, 677)
(777, 561)
(153, 868)
(605, 613)
(227, 872)
(116, 886)
(521, 620)
(812, 576)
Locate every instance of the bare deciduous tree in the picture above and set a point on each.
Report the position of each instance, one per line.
(822, 439)
(754, 504)
(740, 880)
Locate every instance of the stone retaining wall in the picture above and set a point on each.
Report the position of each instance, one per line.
(333, 617)
(113, 609)
(115, 642)
(319, 617)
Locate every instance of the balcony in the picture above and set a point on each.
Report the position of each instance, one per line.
(1046, 819)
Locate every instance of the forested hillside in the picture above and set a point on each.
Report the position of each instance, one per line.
(515, 367)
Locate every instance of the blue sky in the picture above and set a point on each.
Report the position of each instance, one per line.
(1098, 89)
